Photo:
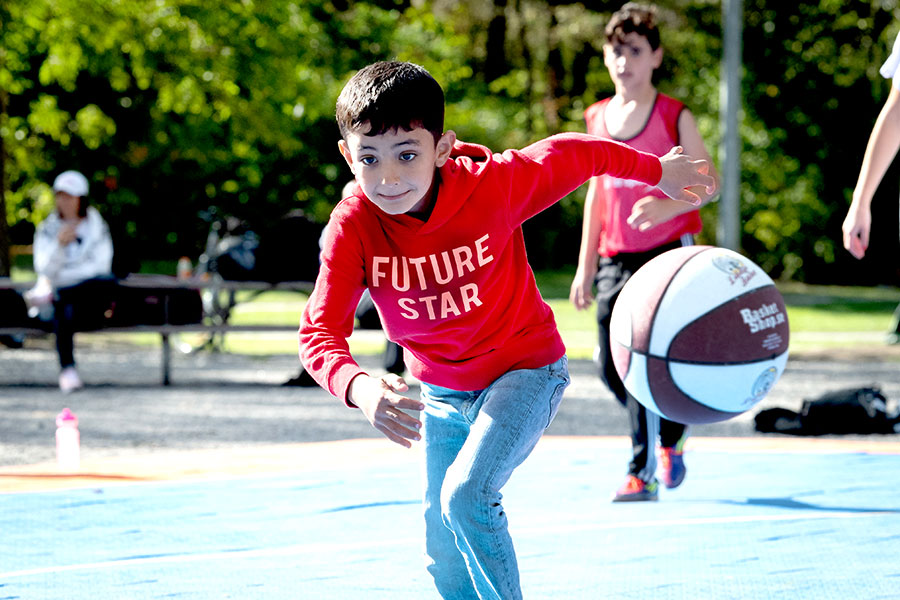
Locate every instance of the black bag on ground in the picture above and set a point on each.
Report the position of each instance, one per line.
(856, 410)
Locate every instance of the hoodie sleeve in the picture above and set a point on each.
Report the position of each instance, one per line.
(544, 172)
(327, 320)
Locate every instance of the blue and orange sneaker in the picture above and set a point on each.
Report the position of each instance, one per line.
(636, 490)
(671, 466)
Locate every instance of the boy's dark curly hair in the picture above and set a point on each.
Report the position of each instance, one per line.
(389, 96)
(633, 17)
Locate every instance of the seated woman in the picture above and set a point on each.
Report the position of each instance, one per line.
(73, 254)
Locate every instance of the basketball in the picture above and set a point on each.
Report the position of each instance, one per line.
(699, 334)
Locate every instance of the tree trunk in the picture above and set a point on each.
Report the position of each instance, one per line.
(495, 64)
(5, 266)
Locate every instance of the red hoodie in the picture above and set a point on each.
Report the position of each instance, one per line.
(456, 291)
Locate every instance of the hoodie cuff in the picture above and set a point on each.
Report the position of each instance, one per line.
(649, 169)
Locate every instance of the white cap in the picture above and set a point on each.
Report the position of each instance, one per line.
(71, 182)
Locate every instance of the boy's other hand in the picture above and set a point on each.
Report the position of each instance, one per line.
(383, 406)
(679, 172)
(650, 211)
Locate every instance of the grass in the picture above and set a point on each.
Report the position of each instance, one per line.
(858, 314)
(852, 315)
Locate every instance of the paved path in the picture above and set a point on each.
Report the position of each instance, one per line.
(227, 400)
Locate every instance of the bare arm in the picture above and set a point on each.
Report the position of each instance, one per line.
(884, 142)
(580, 293)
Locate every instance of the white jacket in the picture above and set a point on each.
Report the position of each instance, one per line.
(88, 257)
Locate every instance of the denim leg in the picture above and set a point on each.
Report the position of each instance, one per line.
(505, 422)
(444, 431)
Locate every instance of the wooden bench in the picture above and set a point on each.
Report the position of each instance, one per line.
(211, 324)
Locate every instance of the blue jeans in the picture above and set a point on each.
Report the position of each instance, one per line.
(473, 441)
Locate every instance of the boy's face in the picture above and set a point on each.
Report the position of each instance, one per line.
(631, 61)
(395, 169)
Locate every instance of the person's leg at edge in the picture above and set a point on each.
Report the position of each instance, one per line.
(507, 420)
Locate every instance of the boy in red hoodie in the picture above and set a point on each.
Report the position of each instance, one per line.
(433, 230)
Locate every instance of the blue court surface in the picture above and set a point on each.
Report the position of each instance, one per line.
(756, 518)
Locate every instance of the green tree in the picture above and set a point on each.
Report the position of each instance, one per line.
(812, 92)
(172, 106)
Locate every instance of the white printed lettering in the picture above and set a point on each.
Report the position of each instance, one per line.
(400, 287)
(442, 279)
(417, 263)
(448, 305)
(463, 262)
(436, 270)
(407, 305)
(429, 305)
(469, 296)
(481, 249)
(376, 272)
(767, 316)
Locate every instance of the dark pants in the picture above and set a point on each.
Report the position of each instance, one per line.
(79, 307)
(611, 277)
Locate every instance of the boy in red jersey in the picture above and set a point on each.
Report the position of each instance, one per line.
(433, 230)
(628, 223)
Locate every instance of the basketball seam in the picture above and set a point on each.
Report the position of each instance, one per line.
(706, 363)
(666, 289)
(662, 295)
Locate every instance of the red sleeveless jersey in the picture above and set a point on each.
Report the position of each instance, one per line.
(618, 196)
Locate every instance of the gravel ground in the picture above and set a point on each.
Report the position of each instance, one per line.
(228, 400)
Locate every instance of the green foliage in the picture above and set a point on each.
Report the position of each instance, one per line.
(812, 92)
(173, 106)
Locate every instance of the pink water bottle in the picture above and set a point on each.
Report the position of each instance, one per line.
(68, 441)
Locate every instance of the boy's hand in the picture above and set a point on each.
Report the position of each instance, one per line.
(650, 211)
(679, 172)
(378, 399)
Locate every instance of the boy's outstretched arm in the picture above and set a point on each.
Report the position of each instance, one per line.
(379, 400)
(679, 172)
